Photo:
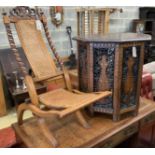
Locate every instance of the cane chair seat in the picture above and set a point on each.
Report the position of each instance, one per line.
(63, 99)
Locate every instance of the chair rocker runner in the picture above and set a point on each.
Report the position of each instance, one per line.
(60, 102)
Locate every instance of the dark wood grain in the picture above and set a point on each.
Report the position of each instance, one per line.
(117, 83)
(112, 62)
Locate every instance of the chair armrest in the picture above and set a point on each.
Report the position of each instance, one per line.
(74, 78)
(67, 79)
(48, 77)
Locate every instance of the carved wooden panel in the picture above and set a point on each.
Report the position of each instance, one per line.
(130, 76)
(103, 74)
(113, 62)
(104, 58)
(23, 12)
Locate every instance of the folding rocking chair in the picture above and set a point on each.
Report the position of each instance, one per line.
(60, 102)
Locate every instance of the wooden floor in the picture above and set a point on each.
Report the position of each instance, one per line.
(70, 134)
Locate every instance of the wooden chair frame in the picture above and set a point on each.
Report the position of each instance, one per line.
(3, 110)
(91, 17)
(27, 14)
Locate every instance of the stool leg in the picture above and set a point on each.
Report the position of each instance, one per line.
(45, 130)
(116, 117)
(135, 113)
(82, 120)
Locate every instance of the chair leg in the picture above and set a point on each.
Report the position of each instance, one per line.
(46, 132)
(82, 120)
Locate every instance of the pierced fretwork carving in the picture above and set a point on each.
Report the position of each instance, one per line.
(113, 62)
(104, 59)
(129, 77)
(23, 12)
(103, 67)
